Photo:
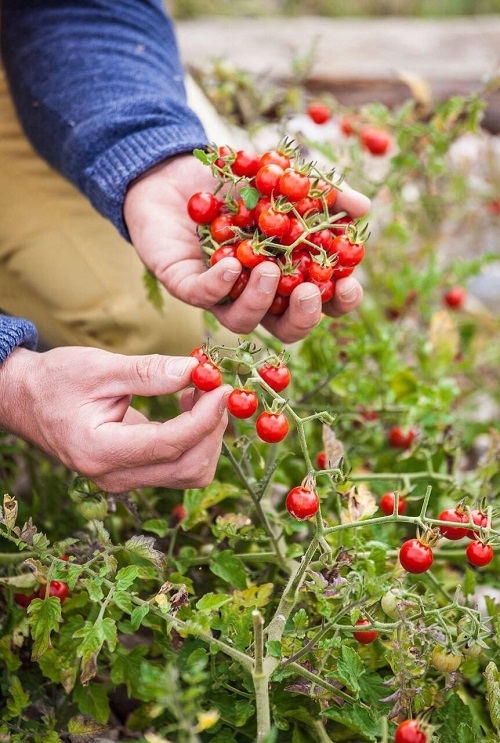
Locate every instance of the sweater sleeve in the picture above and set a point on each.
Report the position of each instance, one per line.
(14, 332)
(99, 89)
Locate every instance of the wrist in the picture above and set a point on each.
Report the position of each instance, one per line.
(16, 405)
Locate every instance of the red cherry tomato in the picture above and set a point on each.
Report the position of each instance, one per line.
(289, 281)
(326, 289)
(409, 732)
(480, 519)
(306, 207)
(452, 532)
(302, 260)
(376, 141)
(323, 239)
(58, 589)
(203, 207)
(273, 157)
(222, 228)
(242, 403)
(273, 223)
(177, 514)
(246, 164)
(206, 376)
(239, 285)
(319, 273)
(199, 353)
(225, 157)
(295, 185)
(302, 503)
(279, 305)
(243, 217)
(479, 554)
(319, 112)
(415, 557)
(365, 637)
(295, 232)
(24, 599)
(328, 192)
(455, 297)
(346, 126)
(340, 272)
(387, 504)
(267, 180)
(225, 251)
(321, 460)
(245, 253)
(349, 254)
(277, 376)
(272, 427)
(400, 440)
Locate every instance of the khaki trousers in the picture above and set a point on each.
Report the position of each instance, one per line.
(66, 268)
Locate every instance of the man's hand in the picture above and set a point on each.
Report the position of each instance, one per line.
(155, 211)
(74, 404)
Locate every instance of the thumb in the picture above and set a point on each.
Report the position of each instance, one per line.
(147, 375)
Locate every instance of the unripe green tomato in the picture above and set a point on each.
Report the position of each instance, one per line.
(93, 508)
(444, 661)
(389, 603)
(473, 649)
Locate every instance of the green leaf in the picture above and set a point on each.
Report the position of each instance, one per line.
(250, 197)
(19, 699)
(142, 546)
(125, 577)
(126, 668)
(153, 289)
(202, 156)
(138, 615)
(123, 601)
(349, 668)
(457, 722)
(230, 568)
(94, 636)
(44, 618)
(160, 527)
(492, 676)
(403, 384)
(92, 700)
(11, 661)
(212, 602)
(199, 500)
(357, 719)
(274, 648)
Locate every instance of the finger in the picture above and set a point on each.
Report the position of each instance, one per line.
(348, 296)
(142, 375)
(151, 443)
(351, 201)
(244, 314)
(301, 316)
(190, 281)
(134, 416)
(193, 469)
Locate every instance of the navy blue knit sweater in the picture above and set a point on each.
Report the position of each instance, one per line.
(98, 86)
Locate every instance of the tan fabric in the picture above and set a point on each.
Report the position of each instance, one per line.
(67, 269)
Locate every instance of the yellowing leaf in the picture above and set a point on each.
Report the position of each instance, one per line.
(334, 449)
(444, 336)
(360, 504)
(255, 596)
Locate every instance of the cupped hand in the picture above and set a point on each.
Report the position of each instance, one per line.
(74, 404)
(164, 237)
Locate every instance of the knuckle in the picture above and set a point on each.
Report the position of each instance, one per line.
(149, 367)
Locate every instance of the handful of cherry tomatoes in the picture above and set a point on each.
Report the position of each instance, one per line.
(276, 207)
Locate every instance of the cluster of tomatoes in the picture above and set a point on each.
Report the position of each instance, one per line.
(275, 207)
(416, 555)
(270, 426)
(374, 139)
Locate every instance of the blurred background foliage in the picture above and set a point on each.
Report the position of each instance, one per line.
(333, 8)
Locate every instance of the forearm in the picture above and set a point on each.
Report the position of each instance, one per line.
(99, 89)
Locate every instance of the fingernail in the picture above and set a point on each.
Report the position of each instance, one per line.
(267, 283)
(349, 294)
(179, 366)
(230, 275)
(310, 303)
(223, 401)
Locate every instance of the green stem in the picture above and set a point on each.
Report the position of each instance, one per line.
(318, 681)
(260, 679)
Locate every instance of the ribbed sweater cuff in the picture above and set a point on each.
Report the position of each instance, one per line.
(107, 183)
(14, 332)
